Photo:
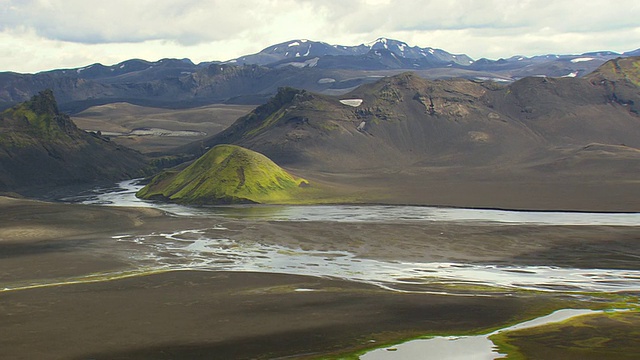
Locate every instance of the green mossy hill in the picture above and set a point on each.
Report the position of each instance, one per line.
(226, 174)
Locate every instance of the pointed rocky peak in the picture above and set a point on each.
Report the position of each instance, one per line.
(395, 46)
(44, 103)
(40, 116)
(289, 95)
(270, 113)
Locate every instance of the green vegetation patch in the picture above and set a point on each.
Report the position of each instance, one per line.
(36, 117)
(609, 335)
(227, 174)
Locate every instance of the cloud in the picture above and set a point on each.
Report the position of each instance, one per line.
(567, 15)
(119, 21)
(47, 33)
(191, 22)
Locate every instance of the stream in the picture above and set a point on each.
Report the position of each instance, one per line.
(123, 194)
(206, 249)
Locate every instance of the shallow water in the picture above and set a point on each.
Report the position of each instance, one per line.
(123, 194)
(212, 249)
(208, 249)
(200, 249)
(463, 347)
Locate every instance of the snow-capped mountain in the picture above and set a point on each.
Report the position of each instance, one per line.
(304, 49)
(293, 49)
(305, 64)
(401, 49)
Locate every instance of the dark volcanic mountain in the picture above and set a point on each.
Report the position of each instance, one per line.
(405, 120)
(536, 130)
(252, 79)
(40, 148)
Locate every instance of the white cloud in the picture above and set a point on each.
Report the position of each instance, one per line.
(118, 21)
(44, 34)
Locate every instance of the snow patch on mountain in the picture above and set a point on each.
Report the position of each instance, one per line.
(326, 81)
(351, 102)
(571, 75)
(582, 59)
(309, 63)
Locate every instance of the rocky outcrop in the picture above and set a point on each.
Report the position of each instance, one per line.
(41, 148)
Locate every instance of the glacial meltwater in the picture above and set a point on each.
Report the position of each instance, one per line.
(207, 249)
(123, 194)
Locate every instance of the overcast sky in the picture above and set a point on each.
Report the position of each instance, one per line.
(38, 35)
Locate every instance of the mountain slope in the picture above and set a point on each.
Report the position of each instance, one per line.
(42, 148)
(471, 123)
(226, 174)
(621, 79)
(466, 139)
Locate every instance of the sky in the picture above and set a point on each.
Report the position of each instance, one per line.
(37, 35)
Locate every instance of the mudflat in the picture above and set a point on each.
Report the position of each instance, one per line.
(70, 290)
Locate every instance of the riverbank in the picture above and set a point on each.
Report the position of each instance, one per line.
(197, 315)
(193, 314)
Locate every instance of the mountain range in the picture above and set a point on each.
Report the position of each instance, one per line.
(407, 132)
(291, 52)
(447, 133)
(424, 121)
(253, 79)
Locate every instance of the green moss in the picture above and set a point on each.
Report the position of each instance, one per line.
(627, 69)
(548, 303)
(598, 336)
(268, 122)
(326, 125)
(224, 175)
(36, 117)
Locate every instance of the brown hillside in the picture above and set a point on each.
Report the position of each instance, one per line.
(537, 133)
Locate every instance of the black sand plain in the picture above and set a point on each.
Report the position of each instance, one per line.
(247, 315)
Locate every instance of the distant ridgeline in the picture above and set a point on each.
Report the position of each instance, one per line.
(536, 127)
(252, 79)
(406, 121)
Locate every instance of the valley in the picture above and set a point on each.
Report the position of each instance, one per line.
(215, 211)
(157, 130)
(261, 282)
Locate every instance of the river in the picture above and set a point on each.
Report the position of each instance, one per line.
(123, 194)
(205, 249)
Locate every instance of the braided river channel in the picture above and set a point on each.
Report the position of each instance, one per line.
(214, 248)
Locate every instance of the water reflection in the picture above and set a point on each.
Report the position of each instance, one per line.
(124, 195)
(201, 249)
(463, 347)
